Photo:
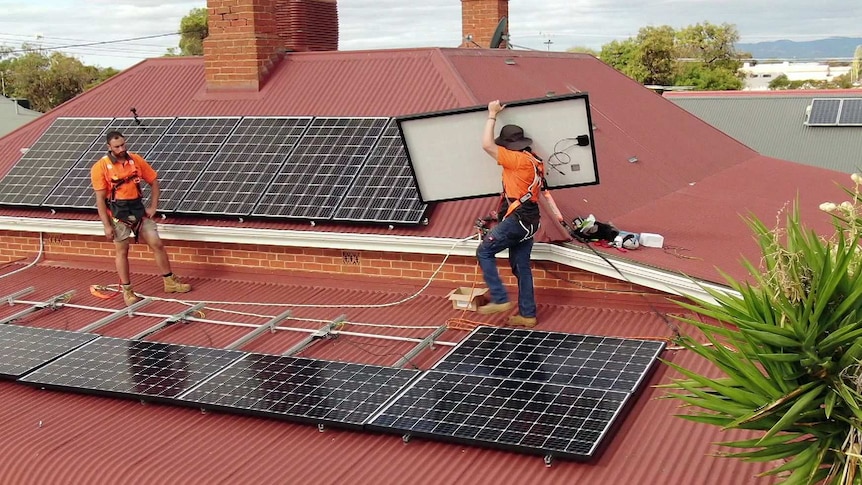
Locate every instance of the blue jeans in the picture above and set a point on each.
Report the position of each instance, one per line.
(510, 234)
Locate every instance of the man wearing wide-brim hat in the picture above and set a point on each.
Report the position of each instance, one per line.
(523, 175)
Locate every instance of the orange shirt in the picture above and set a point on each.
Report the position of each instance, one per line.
(104, 172)
(518, 173)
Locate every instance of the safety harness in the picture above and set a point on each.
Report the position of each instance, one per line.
(130, 212)
(537, 184)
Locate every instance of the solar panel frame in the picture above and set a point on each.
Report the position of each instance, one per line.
(184, 152)
(824, 112)
(48, 160)
(137, 369)
(591, 361)
(510, 414)
(851, 112)
(75, 190)
(324, 163)
(23, 349)
(244, 166)
(300, 389)
(384, 190)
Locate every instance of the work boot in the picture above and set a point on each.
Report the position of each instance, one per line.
(519, 321)
(495, 307)
(173, 285)
(129, 295)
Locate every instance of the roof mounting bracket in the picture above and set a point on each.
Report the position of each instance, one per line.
(270, 325)
(129, 310)
(177, 317)
(11, 298)
(53, 303)
(426, 342)
(323, 332)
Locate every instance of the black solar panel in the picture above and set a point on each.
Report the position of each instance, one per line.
(243, 168)
(132, 368)
(323, 165)
(76, 190)
(516, 415)
(23, 349)
(824, 111)
(581, 360)
(39, 170)
(851, 112)
(300, 389)
(384, 189)
(184, 152)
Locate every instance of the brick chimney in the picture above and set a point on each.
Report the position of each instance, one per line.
(479, 19)
(307, 25)
(243, 44)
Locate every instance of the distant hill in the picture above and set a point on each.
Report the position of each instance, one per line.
(831, 48)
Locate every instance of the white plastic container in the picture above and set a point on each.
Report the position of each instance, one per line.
(651, 240)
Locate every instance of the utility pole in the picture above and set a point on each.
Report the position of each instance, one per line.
(549, 42)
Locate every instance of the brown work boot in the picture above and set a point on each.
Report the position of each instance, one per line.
(173, 285)
(129, 295)
(520, 321)
(495, 307)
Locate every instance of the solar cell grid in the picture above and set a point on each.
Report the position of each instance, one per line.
(384, 189)
(75, 190)
(321, 168)
(532, 417)
(244, 166)
(22, 349)
(300, 389)
(132, 368)
(851, 112)
(824, 111)
(48, 160)
(184, 152)
(571, 359)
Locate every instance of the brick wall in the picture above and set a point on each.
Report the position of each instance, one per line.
(479, 19)
(460, 270)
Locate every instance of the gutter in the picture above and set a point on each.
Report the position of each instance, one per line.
(565, 254)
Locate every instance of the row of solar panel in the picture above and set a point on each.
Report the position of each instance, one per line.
(835, 111)
(343, 169)
(501, 387)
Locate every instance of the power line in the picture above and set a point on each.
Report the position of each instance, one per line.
(104, 42)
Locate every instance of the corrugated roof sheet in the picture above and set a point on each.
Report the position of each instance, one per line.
(52, 437)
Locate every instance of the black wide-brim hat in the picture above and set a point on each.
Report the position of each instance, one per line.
(512, 138)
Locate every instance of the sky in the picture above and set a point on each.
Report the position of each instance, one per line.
(382, 24)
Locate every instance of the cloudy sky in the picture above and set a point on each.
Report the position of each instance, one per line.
(375, 24)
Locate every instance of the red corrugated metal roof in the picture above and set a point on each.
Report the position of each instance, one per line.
(52, 437)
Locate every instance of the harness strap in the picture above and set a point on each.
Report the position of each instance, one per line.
(538, 182)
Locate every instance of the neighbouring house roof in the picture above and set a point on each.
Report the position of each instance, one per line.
(773, 124)
(13, 115)
(54, 436)
(691, 183)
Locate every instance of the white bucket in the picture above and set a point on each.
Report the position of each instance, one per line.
(651, 240)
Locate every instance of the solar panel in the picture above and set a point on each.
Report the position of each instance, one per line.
(132, 368)
(184, 152)
(824, 111)
(23, 349)
(571, 359)
(851, 112)
(244, 166)
(36, 173)
(321, 168)
(384, 189)
(301, 389)
(511, 414)
(76, 190)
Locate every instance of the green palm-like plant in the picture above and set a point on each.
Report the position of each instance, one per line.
(788, 349)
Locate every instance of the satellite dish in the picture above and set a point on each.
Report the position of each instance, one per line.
(497, 38)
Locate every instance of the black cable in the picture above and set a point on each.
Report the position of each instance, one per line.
(390, 354)
(103, 42)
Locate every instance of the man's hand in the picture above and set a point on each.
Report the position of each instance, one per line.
(151, 212)
(495, 107)
(109, 231)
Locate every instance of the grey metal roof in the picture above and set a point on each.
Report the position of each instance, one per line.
(13, 116)
(773, 124)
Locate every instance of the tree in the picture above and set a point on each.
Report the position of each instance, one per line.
(583, 50)
(787, 352)
(624, 57)
(657, 55)
(193, 31)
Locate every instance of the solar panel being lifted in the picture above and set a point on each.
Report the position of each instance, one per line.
(48, 160)
(321, 168)
(300, 389)
(384, 189)
(76, 190)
